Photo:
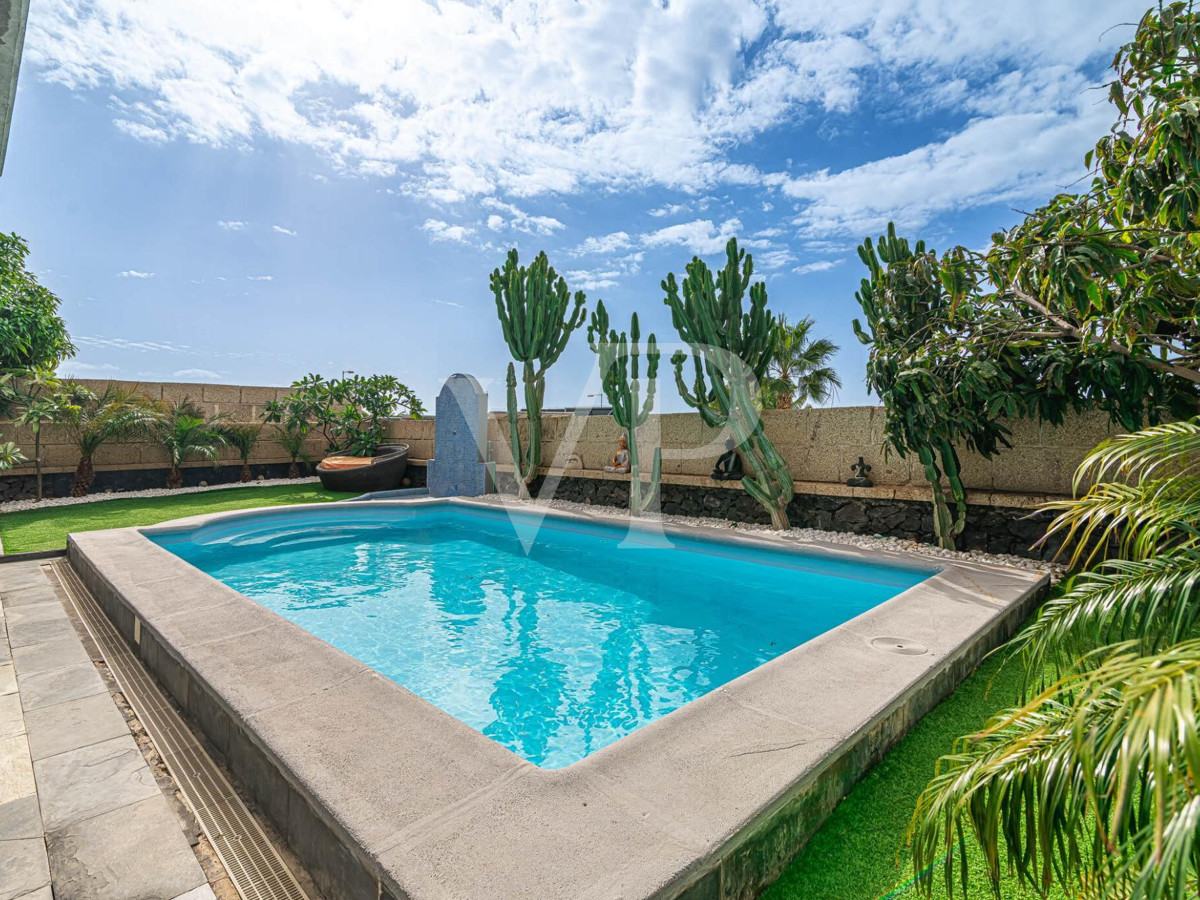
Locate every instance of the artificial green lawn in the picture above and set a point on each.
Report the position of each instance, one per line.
(47, 529)
(857, 855)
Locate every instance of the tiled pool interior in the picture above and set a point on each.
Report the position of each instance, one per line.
(553, 638)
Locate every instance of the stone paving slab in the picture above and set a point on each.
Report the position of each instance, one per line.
(59, 685)
(72, 725)
(105, 856)
(81, 814)
(23, 867)
(37, 658)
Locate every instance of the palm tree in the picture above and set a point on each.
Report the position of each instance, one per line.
(42, 402)
(185, 432)
(242, 438)
(292, 441)
(799, 372)
(1095, 781)
(92, 419)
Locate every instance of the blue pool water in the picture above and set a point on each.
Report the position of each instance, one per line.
(555, 652)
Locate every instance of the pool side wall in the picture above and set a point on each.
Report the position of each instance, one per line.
(748, 856)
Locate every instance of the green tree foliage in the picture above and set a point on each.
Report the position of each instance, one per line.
(620, 366)
(32, 334)
(731, 350)
(1094, 782)
(536, 314)
(186, 432)
(800, 372)
(1089, 302)
(350, 413)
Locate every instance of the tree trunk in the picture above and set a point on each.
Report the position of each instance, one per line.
(175, 479)
(84, 473)
(37, 460)
(246, 476)
(294, 470)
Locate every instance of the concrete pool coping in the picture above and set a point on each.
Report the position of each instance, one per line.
(384, 795)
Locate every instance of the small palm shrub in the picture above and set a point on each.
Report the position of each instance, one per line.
(242, 438)
(92, 419)
(1095, 781)
(292, 441)
(185, 432)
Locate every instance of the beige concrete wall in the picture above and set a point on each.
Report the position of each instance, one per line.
(241, 403)
(818, 444)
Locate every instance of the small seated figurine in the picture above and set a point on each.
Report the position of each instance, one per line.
(860, 479)
(620, 460)
(729, 465)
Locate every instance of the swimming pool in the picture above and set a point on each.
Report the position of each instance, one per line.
(552, 637)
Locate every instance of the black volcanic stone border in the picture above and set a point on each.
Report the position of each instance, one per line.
(990, 529)
(58, 484)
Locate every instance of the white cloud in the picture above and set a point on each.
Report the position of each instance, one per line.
(823, 265)
(670, 209)
(198, 374)
(282, 230)
(444, 231)
(592, 280)
(518, 219)
(124, 344)
(260, 277)
(604, 244)
(75, 369)
(232, 225)
(449, 303)
(134, 273)
(525, 99)
(1007, 158)
(700, 236)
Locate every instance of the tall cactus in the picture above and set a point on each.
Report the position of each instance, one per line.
(730, 352)
(620, 362)
(905, 298)
(532, 304)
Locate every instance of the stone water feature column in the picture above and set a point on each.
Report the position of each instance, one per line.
(458, 467)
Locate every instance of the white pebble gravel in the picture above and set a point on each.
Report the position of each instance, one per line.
(806, 535)
(21, 505)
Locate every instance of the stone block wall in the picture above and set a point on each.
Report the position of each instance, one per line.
(819, 446)
(141, 464)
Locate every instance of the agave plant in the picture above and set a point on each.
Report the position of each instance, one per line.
(292, 441)
(242, 438)
(1095, 781)
(92, 419)
(185, 432)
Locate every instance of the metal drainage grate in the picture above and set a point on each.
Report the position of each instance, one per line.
(253, 863)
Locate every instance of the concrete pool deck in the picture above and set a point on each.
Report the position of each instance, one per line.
(383, 795)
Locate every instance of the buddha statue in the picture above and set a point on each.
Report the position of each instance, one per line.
(729, 464)
(620, 460)
(860, 470)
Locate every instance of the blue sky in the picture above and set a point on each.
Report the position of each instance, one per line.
(221, 193)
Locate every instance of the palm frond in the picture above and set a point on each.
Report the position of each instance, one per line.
(1143, 454)
(1093, 783)
(1154, 603)
(1141, 520)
